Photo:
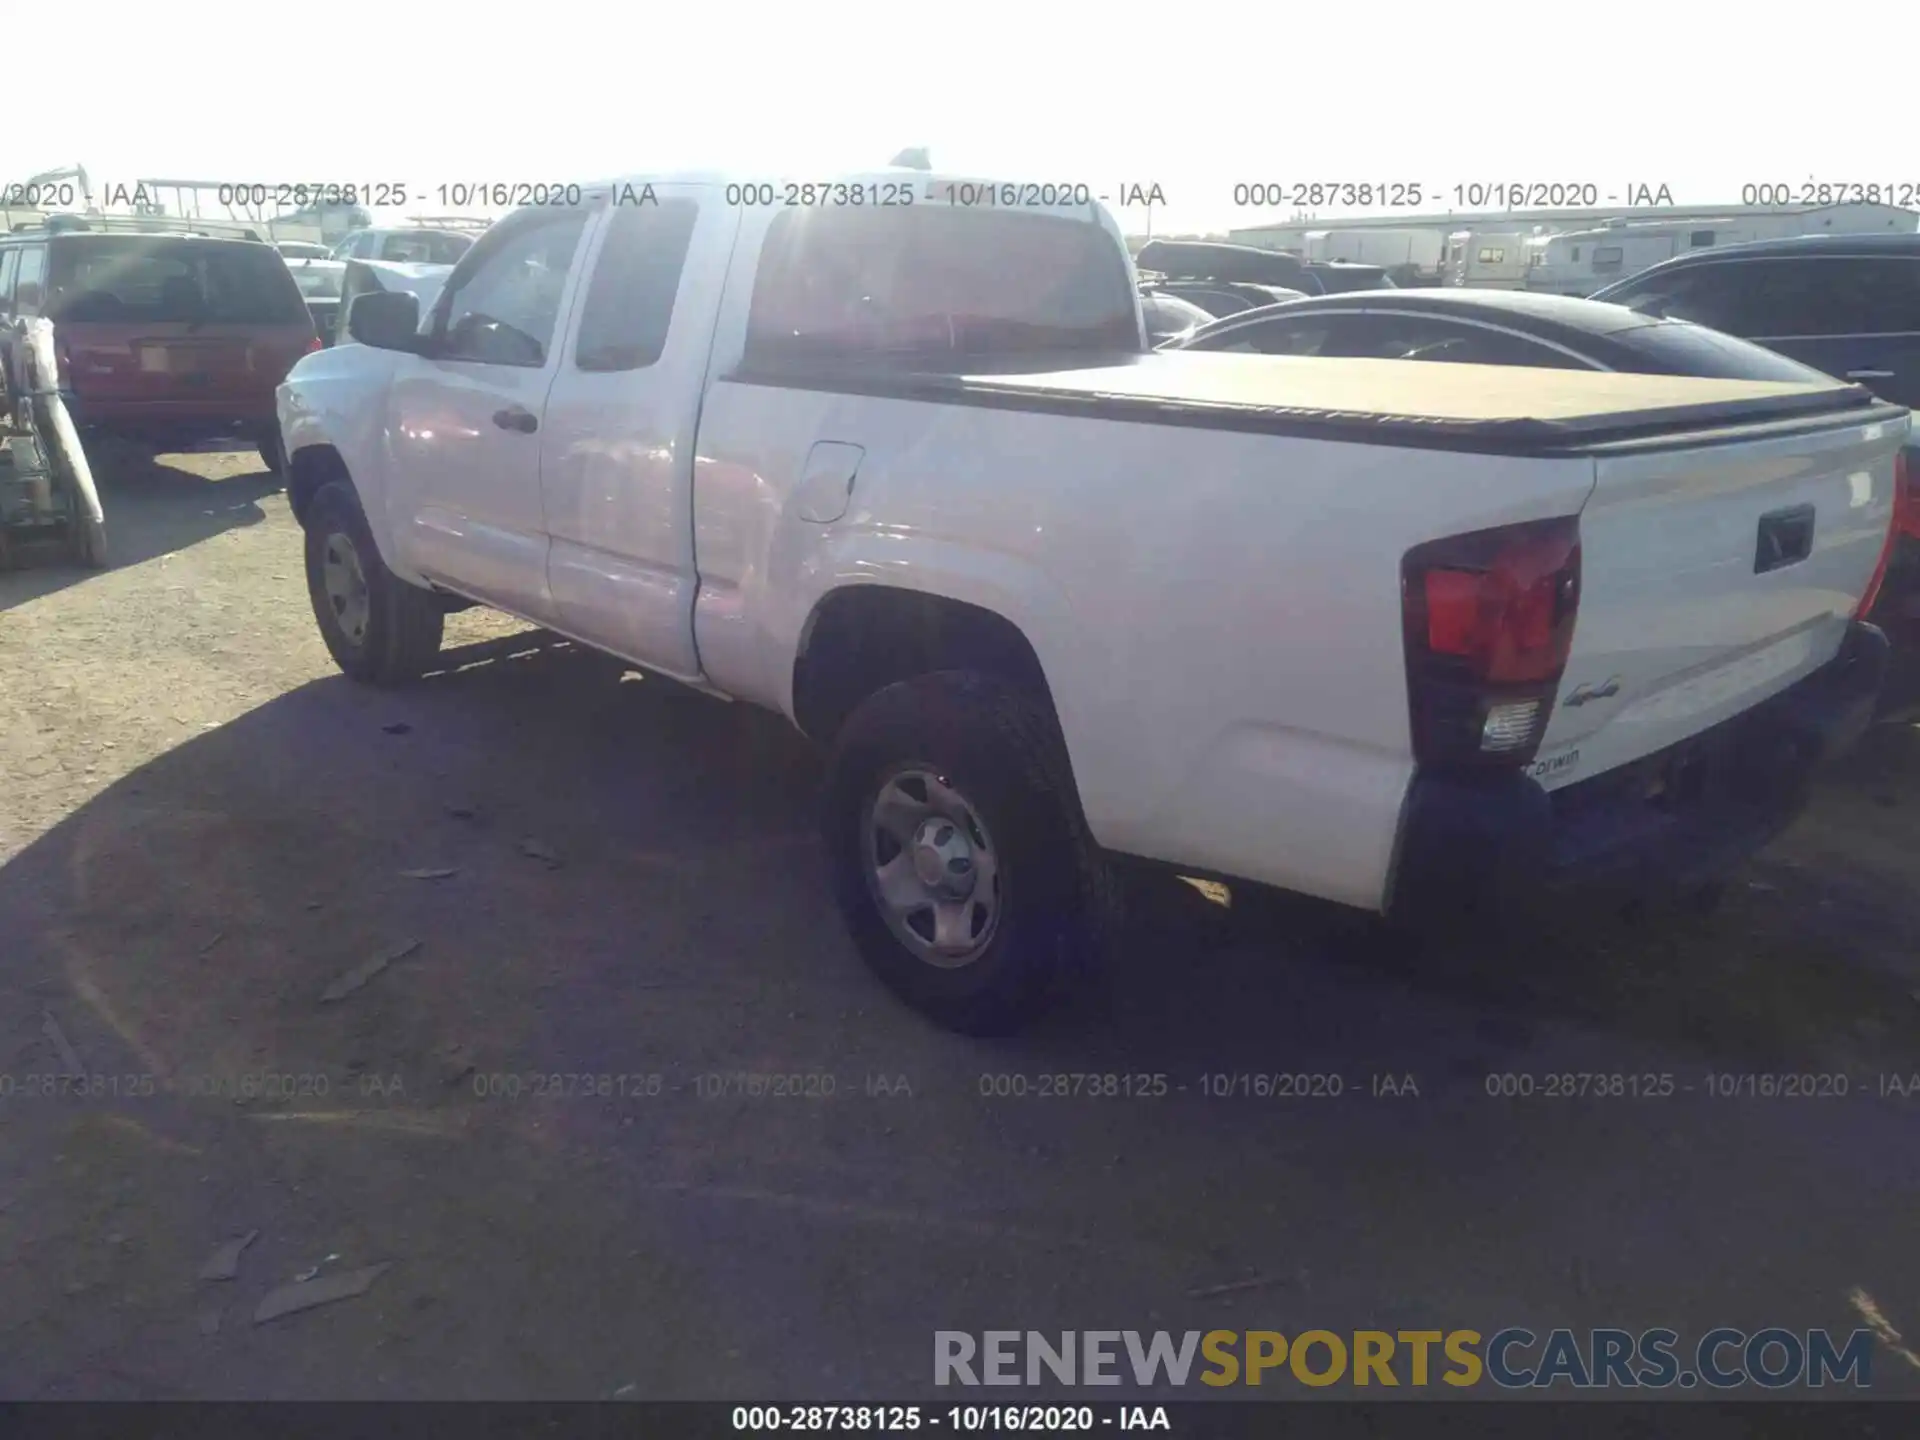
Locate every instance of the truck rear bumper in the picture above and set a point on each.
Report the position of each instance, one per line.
(1471, 847)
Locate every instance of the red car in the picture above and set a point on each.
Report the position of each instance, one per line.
(164, 338)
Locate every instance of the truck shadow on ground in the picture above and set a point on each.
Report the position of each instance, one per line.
(153, 508)
(617, 847)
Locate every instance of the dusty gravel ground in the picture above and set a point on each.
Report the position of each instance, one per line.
(202, 827)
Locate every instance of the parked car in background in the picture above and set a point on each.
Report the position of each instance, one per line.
(1845, 304)
(372, 277)
(302, 250)
(1216, 298)
(1196, 265)
(409, 244)
(1500, 327)
(320, 282)
(903, 474)
(1337, 277)
(163, 338)
(1170, 317)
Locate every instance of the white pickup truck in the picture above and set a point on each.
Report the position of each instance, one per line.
(892, 461)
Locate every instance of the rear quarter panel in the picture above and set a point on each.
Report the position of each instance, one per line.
(1217, 613)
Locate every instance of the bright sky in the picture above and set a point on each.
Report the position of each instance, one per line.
(1701, 98)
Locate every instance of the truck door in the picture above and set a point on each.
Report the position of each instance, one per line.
(618, 439)
(465, 415)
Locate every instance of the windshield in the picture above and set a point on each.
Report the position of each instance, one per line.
(318, 281)
(158, 280)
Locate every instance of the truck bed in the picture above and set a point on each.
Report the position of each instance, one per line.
(1494, 409)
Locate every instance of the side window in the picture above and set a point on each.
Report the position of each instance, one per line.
(1895, 285)
(506, 308)
(1489, 347)
(32, 271)
(1780, 299)
(9, 266)
(1389, 337)
(1857, 295)
(1716, 296)
(1294, 335)
(1415, 337)
(629, 299)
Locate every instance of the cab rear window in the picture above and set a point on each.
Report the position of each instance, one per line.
(133, 279)
(933, 285)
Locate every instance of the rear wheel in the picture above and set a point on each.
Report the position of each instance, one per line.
(377, 627)
(961, 861)
(269, 448)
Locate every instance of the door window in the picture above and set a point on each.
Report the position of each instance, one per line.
(506, 309)
(1293, 335)
(9, 264)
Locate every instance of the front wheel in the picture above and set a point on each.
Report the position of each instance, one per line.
(377, 627)
(961, 861)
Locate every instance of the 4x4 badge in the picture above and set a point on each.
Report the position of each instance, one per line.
(1584, 693)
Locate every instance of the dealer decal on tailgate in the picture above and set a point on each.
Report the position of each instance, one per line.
(1560, 765)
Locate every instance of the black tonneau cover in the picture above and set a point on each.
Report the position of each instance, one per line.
(1492, 409)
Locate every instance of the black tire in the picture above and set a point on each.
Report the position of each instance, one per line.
(1057, 901)
(269, 448)
(402, 623)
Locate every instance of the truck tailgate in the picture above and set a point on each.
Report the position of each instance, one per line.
(1715, 572)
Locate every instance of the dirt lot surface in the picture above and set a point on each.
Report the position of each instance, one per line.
(203, 829)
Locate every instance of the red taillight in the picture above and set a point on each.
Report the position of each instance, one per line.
(1905, 521)
(1489, 624)
(313, 345)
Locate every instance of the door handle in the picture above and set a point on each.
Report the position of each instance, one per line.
(516, 418)
(1869, 374)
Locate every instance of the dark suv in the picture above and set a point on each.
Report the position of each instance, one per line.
(1845, 304)
(162, 337)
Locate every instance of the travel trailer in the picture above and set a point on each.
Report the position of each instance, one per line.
(1486, 259)
(1579, 262)
(1411, 256)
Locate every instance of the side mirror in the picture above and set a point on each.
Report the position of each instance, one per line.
(386, 320)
